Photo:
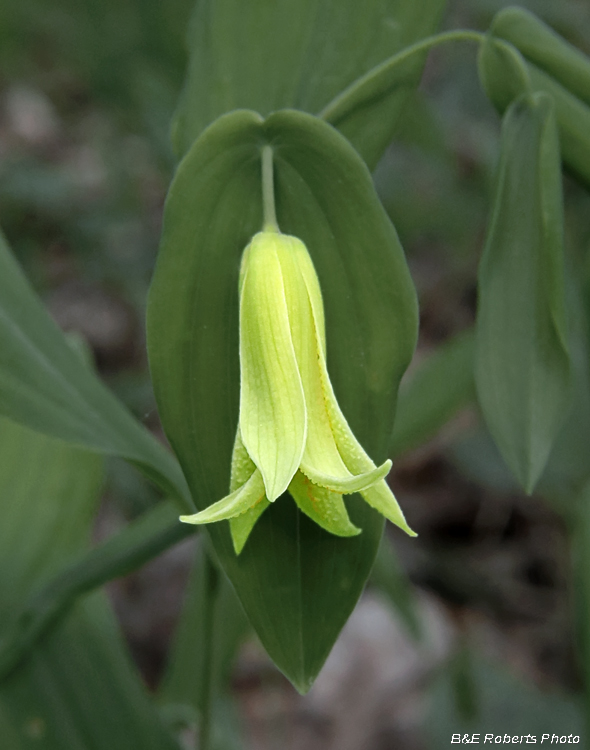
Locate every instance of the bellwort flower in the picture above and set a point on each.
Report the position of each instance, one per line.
(291, 434)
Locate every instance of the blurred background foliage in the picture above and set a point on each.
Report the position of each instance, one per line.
(87, 90)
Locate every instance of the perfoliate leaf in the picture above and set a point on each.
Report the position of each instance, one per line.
(45, 385)
(522, 366)
(303, 54)
(297, 583)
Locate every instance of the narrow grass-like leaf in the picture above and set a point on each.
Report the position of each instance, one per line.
(521, 364)
(301, 54)
(297, 583)
(76, 688)
(140, 541)
(46, 386)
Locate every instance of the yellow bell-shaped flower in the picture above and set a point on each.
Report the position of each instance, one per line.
(291, 434)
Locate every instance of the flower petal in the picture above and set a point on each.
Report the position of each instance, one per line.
(324, 507)
(380, 497)
(320, 457)
(242, 466)
(241, 526)
(356, 460)
(353, 483)
(240, 501)
(273, 420)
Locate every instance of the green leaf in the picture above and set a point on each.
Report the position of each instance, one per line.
(522, 368)
(76, 688)
(140, 541)
(301, 55)
(183, 682)
(297, 583)
(503, 72)
(439, 387)
(504, 79)
(544, 48)
(573, 120)
(45, 385)
(568, 469)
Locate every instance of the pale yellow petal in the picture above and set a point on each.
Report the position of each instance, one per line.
(352, 483)
(380, 497)
(324, 507)
(242, 466)
(321, 456)
(355, 458)
(232, 505)
(241, 526)
(272, 404)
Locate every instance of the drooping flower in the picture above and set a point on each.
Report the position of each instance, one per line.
(291, 434)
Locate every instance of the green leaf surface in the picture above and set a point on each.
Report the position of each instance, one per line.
(522, 367)
(301, 54)
(568, 468)
(137, 543)
(183, 682)
(45, 385)
(504, 80)
(503, 72)
(297, 583)
(438, 388)
(573, 120)
(76, 688)
(544, 48)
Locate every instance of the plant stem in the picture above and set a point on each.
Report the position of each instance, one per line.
(351, 96)
(211, 577)
(268, 191)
